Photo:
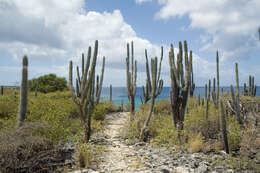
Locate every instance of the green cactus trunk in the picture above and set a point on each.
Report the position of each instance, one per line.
(180, 83)
(23, 92)
(131, 78)
(217, 63)
(110, 93)
(156, 84)
(224, 127)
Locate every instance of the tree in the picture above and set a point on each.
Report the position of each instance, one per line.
(48, 83)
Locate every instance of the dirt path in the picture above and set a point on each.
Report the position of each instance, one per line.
(118, 157)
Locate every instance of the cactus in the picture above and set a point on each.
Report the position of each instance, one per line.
(180, 83)
(251, 88)
(156, 87)
(122, 106)
(110, 93)
(192, 84)
(199, 102)
(214, 94)
(235, 104)
(131, 78)
(207, 99)
(217, 66)
(2, 90)
(23, 92)
(100, 82)
(147, 90)
(85, 101)
(36, 88)
(223, 126)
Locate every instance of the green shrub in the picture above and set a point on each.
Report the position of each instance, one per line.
(102, 109)
(48, 83)
(87, 155)
(234, 133)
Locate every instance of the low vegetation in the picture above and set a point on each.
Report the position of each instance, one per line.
(199, 134)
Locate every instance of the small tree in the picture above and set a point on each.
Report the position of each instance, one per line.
(48, 83)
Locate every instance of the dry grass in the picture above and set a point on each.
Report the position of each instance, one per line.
(195, 143)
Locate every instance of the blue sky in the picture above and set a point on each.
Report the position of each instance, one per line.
(53, 32)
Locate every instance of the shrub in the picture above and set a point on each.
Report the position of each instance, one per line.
(48, 83)
(195, 143)
(102, 109)
(88, 155)
(234, 133)
(162, 107)
(249, 142)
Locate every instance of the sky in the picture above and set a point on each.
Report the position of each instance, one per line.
(53, 32)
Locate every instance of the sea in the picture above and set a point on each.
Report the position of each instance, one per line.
(119, 94)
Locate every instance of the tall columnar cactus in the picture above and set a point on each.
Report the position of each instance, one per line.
(235, 104)
(148, 88)
(36, 88)
(236, 99)
(192, 84)
(131, 78)
(251, 91)
(224, 126)
(217, 65)
(207, 89)
(180, 83)
(110, 93)
(23, 92)
(156, 88)
(85, 101)
(214, 94)
(100, 82)
(2, 90)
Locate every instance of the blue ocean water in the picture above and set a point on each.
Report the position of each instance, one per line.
(120, 94)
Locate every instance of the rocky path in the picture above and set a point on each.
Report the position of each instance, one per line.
(118, 157)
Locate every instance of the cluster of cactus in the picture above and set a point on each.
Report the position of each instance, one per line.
(156, 88)
(84, 96)
(99, 82)
(251, 91)
(23, 92)
(131, 78)
(180, 83)
(148, 88)
(235, 97)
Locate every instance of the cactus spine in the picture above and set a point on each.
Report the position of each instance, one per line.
(180, 83)
(224, 126)
(147, 90)
(85, 101)
(131, 78)
(23, 92)
(157, 85)
(110, 93)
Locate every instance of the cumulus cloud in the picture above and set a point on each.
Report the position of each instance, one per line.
(232, 24)
(47, 30)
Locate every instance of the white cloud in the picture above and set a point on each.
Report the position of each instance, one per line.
(142, 1)
(232, 24)
(47, 30)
